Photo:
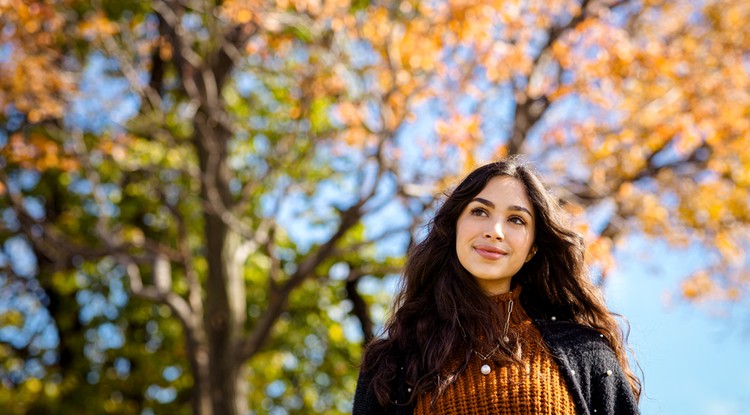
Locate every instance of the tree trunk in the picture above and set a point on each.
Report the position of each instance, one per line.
(225, 303)
(528, 113)
(225, 307)
(198, 357)
(229, 392)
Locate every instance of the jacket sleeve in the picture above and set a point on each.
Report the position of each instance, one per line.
(591, 369)
(365, 402)
(611, 390)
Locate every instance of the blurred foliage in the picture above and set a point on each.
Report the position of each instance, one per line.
(188, 188)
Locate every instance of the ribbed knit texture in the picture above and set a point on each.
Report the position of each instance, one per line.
(535, 387)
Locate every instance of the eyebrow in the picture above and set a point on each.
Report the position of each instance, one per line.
(492, 205)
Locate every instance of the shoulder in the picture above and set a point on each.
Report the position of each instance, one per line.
(577, 346)
(567, 333)
(573, 338)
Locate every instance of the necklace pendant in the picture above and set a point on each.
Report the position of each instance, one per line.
(506, 339)
(486, 369)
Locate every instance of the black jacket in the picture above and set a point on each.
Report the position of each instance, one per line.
(589, 366)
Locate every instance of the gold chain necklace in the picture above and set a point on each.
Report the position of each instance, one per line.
(486, 369)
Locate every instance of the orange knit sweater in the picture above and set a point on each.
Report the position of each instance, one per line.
(536, 387)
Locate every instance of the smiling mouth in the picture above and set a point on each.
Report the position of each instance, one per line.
(489, 252)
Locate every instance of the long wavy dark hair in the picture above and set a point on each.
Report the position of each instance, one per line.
(441, 312)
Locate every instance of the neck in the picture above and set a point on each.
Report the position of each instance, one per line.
(492, 288)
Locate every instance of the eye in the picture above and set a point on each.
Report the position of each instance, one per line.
(517, 220)
(478, 211)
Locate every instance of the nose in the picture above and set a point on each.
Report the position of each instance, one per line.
(495, 233)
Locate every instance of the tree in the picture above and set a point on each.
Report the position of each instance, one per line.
(243, 168)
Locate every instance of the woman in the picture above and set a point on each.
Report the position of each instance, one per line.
(497, 314)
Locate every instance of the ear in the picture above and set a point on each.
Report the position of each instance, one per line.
(531, 254)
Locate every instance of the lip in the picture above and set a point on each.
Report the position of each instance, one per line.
(489, 252)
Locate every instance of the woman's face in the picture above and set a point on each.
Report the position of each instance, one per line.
(495, 234)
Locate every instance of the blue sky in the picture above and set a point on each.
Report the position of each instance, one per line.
(695, 360)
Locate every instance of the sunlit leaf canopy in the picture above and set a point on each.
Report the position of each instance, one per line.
(336, 121)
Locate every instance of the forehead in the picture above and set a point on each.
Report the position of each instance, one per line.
(506, 191)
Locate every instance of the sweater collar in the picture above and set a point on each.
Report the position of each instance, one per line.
(513, 294)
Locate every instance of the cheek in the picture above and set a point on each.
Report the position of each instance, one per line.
(463, 229)
(531, 234)
(524, 238)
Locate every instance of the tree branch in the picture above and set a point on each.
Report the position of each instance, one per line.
(529, 109)
(359, 309)
(280, 295)
(160, 294)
